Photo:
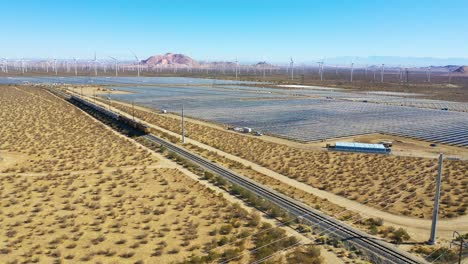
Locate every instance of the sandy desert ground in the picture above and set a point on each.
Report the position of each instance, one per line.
(72, 191)
(359, 177)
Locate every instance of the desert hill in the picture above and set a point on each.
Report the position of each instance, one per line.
(170, 59)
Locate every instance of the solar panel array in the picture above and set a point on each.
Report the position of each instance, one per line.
(307, 114)
(308, 119)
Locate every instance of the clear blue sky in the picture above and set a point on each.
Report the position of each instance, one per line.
(251, 30)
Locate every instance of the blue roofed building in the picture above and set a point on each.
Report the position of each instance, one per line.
(360, 147)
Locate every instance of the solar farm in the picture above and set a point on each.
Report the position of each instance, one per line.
(305, 114)
(311, 115)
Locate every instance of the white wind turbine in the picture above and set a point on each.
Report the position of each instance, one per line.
(115, 65)
(428, 73)
(55, 67)
(367, 66)
(138, 64)
(263, 67)
(47, 63)
(74, 64)
(95, 64)
(291, 64)
(352, 71)
(22, 65)
(320, 68)
(237, 67)
(382, 73)
(5, 65)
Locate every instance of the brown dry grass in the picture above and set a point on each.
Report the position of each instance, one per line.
(358, 177)
(123, 216)
(52, 135)
(77, 192)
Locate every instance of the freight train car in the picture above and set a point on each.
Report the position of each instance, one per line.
(96, 107)
(134, 124)
(128, 121)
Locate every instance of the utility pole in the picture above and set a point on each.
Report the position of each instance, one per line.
(459, 239)
(436, 202)
(183, 125)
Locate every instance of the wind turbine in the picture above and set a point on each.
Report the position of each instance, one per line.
(74, 64)
(428, 73)
(401, 74)
(115, 65)
(47, 65)
(22, 65)
(55, 66)
(320, 66)
(263, 67)
(95, 64)
(291, 64)
(237, 66)
(138, 64)
(407, 74)
(382, 73)
(449, 75)
(367, 66)
(5, 68)
(352, 71)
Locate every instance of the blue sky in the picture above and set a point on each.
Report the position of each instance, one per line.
(251, 30)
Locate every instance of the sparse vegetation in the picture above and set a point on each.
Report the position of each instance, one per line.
(441, 254)
(355, 176)
(93, 196)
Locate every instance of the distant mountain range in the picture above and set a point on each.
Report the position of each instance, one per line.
(182, 61)
(436, 64)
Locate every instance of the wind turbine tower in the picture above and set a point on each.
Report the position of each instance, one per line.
(115, 65)
(74, 64)
(320, 68)
(5, 68)
(95, 64)
(428, 72)
(237, 67)
(292, 68)
(352, 71)
(22, 65)
(138, 64)
(55, 66)
(382, 73)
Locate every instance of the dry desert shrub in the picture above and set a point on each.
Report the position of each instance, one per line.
(62, 191)
(361, 177)
(53, 135)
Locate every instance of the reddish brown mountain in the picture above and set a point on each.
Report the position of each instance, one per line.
(170, 59)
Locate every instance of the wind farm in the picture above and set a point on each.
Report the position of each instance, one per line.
(217, 133)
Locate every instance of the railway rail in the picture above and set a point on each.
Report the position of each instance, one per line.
(386, 252)
(380, 251)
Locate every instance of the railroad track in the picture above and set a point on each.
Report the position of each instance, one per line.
(379, 249)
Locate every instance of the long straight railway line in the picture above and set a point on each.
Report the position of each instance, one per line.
(383, 250)
(380, 251)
